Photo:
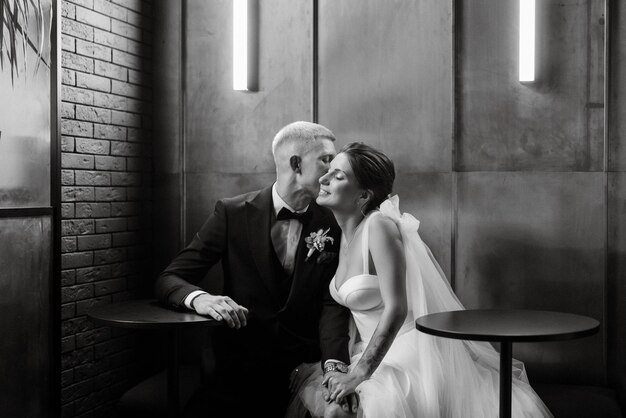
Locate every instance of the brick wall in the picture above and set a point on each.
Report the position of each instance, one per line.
(106, 176)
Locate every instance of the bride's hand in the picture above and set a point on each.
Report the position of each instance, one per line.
(340, 385)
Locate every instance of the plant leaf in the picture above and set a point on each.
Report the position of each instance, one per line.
(38, 32)
(23, 27)
(1, 35)
(13, 56)
(15, 18)
(43, 31)
(39, 18)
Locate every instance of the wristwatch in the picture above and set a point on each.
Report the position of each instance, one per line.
(335, 366)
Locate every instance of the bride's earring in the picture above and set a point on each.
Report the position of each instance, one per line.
(363, 196)
(356, 202)
(361, 208)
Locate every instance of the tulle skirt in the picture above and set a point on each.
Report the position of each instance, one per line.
(458, 384)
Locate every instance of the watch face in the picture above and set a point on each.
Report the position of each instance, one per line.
(336, 367)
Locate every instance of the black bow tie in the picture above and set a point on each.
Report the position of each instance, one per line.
(285, 214)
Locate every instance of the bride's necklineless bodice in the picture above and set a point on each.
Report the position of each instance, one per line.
(360, 292)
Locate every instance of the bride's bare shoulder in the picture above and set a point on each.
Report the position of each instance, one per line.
(385, 244)
(383, 228)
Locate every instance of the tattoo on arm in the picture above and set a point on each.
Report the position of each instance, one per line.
(376, 350)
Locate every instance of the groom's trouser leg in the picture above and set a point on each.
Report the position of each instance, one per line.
(251, 390)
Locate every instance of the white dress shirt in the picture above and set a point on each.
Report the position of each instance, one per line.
(285, 233)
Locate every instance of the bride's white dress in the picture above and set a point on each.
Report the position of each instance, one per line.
(421, 375)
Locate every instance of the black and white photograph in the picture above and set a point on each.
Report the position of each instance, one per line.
(312, 208)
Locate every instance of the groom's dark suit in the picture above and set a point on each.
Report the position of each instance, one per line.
(292, 318)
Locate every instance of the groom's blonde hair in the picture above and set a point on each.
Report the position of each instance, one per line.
(298, 138)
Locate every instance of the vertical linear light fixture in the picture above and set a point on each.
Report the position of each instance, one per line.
(526, 40)
(240, 45)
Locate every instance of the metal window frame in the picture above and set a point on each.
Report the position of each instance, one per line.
(54, 213)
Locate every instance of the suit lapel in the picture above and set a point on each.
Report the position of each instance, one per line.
(259, 236)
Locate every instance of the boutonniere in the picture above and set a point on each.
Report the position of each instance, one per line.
(316, 241)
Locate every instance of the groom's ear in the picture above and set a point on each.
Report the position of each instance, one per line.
(296, 164)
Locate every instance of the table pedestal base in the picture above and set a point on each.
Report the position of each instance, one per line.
(506, 366)
(173, 371)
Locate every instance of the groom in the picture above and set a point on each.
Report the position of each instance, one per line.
(275, 302)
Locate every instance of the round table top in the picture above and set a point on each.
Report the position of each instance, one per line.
(146, 314)
(507, 325)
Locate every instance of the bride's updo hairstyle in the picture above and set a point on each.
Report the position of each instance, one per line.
(373, 170)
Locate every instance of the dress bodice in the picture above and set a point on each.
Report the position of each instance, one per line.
(361, 293)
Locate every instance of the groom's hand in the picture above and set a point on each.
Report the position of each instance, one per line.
(349, 404)
(221, 308)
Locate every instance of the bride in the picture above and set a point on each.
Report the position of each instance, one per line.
(388, 277)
